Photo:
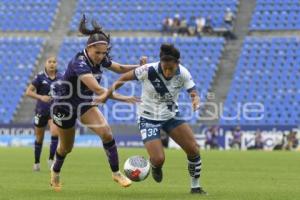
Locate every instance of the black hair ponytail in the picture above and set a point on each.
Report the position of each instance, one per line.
(96, 35)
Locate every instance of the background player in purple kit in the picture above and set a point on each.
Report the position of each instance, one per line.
(76, 100)
(237, 138)
(40, 89)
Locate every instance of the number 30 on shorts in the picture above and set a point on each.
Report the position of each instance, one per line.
(150, 133)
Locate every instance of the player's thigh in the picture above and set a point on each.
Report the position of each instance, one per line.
(53, 128)
(155, 151)
(183, 135)
(95, 121)
(40, 123)
(150, 133)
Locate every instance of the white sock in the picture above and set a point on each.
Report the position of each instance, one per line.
(116, 173)
(195, 182)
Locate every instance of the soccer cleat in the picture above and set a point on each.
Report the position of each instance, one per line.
(157, 174)
(198, 190)
(55, 181)
(36, 167)
(121, 179)
(50, 163)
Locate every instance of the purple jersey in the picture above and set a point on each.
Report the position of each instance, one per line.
(79, 92)
(237, 135)
(43, 83)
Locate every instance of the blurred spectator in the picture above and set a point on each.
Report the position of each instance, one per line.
(228, 17)
(211, 138)
(292, 141)
(280, 145)
(208, 28)
(167, 25)
(192, 26)
(229, 35)
(259, 144)
(236, 138)
(183, 28)
(176, 25)
(200, 24)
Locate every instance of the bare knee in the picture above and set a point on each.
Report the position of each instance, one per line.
(39, 139)
(193, 150)
(105, 133)
(54, 131)
(157, 160)
(63, 151)
(68, 150)
(39, 135)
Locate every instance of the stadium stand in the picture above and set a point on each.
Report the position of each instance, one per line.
(18, 57)
(268, 71)
(125, 15)
(29, 15)
(276, 15)
(200, 56)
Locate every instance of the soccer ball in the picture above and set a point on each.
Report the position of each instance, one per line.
(137, 168)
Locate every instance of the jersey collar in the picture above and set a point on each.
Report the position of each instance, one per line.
(47, 76)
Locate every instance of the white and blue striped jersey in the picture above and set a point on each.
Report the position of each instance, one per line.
(159, 95)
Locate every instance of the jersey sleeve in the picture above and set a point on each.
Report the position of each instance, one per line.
(189, 83)
(141, 73)
(36, 81)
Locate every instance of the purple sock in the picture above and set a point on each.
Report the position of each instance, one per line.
(58, 162)
(53, 146)
(112, 155)
(37, 151)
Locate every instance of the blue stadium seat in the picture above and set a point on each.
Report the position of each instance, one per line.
(16, 15)
(276, 15)
(16, 71)
(274, 84)
(148, 15)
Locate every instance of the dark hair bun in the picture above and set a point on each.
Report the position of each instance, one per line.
(167, 48)
(169, 52)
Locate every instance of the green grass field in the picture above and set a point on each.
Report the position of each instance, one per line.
(86, 175)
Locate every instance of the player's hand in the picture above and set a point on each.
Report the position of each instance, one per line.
(45, 98)
(98, 100)
(196, 103)
(143, 60)
(132, 100)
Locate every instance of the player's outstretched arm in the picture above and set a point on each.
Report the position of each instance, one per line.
(129, 76)
(31, 92)
(121, 69)
(90, 81)
(127, 99)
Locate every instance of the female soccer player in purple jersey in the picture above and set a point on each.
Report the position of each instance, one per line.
(40, 89)
(161, 83)
(76, 100)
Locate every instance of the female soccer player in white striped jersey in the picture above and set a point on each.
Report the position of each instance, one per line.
(161, 84)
